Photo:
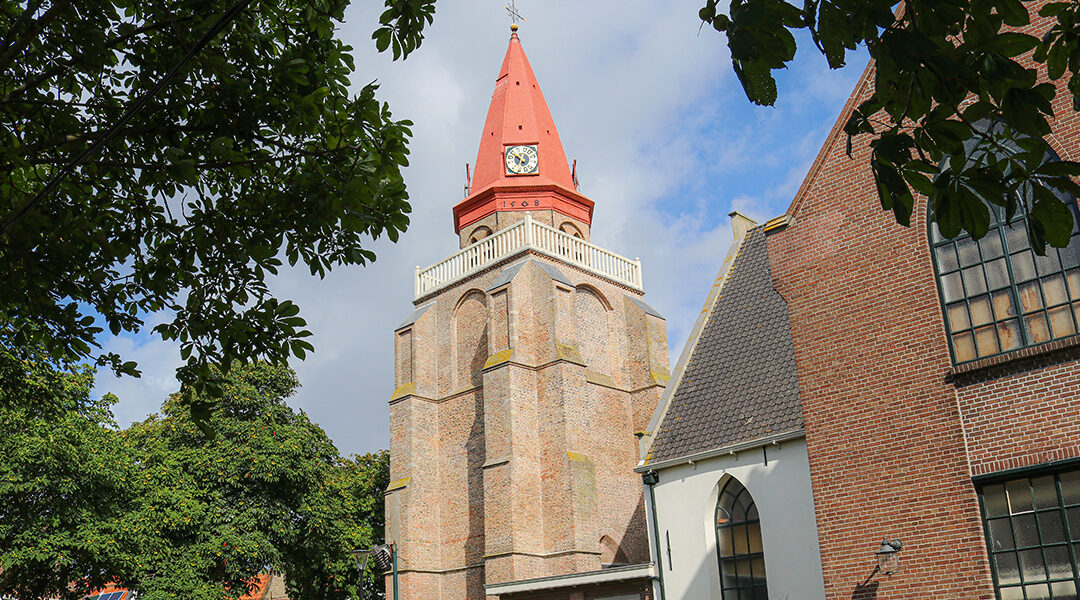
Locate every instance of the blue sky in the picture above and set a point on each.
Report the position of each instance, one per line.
(667, 145)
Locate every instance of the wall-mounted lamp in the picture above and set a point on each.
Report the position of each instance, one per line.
(888, 556)
(385, 557)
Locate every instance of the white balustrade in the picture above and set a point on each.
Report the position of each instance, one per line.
(528, 235)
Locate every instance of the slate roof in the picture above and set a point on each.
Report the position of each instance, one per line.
(415, 315)
(739, 383)
(645, 307)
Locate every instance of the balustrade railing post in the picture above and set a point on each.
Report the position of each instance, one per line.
(528, 230)
(416, 283)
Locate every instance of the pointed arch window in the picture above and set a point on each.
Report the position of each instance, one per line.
(999, 296)
(738, 544)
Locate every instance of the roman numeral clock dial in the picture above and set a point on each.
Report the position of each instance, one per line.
(522, 160)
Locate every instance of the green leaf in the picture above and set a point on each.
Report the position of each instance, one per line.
(1014, 44)
(1055, 219)
(1013, 12)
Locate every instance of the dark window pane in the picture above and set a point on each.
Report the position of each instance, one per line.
(1070, 487)
(974, 281)
(1057, 560)
(1040, 331)
(1070, 255)
(1025, 531)
(1045, 491)
(738, 536)
(958, 316)
(1061, 321)
(1063, 590)
(1012, 593)
(1008, 570)
(997, 274)
(742, 567)
(991, 245)
(751, 513)
(986, 341)
(1073, 283)
(1037, 592)
(951, 287)
(1031, 565)
(964, 345)
(981, 311)
(1051, 527)
(1019, 492)
(1001, 537)
(725, 545)
(1004, 306)
(968, 251)
(946, 257)
(1016, 237)
(1073, 517)
(994, 502)
(1030, 297)
(757, 568)
(1010, 335)
(754, 531)
(1049, 263)
(727, 572)
(1054, 290)
(1023, 267)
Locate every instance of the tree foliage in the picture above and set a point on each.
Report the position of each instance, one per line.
(163, 511)
(957, 114)
(64, 482)
(256, 153)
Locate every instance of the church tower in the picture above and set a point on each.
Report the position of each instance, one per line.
(526, 368)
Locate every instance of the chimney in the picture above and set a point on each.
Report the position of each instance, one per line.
(740, 224)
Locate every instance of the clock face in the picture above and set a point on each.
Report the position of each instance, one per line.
(522, 160)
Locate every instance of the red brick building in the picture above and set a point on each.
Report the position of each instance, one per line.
(521, 377)
(937, 401)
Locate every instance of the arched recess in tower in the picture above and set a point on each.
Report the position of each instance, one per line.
(470, 338)
(593, 332)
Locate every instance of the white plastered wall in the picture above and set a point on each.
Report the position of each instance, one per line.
(685, 503)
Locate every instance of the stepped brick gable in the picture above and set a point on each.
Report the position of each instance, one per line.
(526, 367)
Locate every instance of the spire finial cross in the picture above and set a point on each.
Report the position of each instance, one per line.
(512, 10)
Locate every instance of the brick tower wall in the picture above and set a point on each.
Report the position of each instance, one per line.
(515, 466)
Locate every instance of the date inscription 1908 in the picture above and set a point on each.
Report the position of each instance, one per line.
(522, 204)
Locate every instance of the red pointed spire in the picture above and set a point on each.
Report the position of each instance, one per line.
(519, 116)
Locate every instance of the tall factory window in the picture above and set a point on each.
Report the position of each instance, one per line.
(998, 295)
(1032, 528)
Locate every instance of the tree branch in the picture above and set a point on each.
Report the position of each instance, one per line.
(31, 8)
(24, 40)
(209, 165)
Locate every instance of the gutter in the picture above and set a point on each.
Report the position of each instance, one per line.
(645, 466)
